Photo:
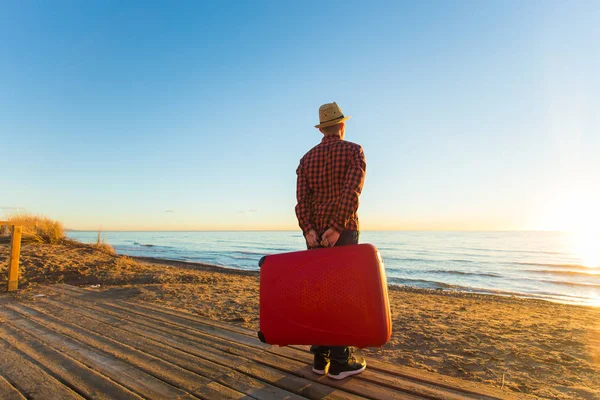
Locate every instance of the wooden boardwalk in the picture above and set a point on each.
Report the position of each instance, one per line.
(72, 343)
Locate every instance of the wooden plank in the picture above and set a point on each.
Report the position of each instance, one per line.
(170, 373)
(230, 341)
(135, 380)
(29, 379)
(452, 386)
(193, 317)
(206, 350)
(403, 371)
(452, 383)
(313, 387)
(154, 366)
(13, 266)
(421, 387)
(71, 290)
(83, 380)
(357, 387)
(216, 391)
(212, 341)
(477, 390)
(256, 388)
(404, 385)
(185, 323)
(407, 372)
(156, 331)
(174, 322)
(8, 391)
(158, 349)
(385, 374)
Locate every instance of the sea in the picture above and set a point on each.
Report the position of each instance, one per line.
(554, 266)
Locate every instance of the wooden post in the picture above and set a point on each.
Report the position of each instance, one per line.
(13, 266)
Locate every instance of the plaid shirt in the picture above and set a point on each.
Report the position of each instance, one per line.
(330, 179)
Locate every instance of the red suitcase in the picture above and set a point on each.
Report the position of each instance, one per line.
(333, 297)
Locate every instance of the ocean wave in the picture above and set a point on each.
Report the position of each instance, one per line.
(568, 273)
(396, 259)
(542, 295)
(469, 261)
(243, 257)
(135, 250)
(423, 283)
(488, 250)
(143, 245)
(260, 249)
(437, 255)
(572, 284)
(385, 248)
(244, 254)
(550, 265)
(393, 258)
(453, 272)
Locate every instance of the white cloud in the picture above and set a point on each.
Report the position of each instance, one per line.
(250, 211)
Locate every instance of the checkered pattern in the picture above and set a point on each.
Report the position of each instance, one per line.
(330, 179)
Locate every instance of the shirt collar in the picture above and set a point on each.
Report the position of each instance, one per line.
(330, 138)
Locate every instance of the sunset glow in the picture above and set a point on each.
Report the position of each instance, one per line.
(586, 247)
(572, 210)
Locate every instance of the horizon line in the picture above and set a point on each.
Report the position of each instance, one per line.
(298, 230)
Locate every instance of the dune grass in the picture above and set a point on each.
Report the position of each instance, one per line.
(38, 228)
(102, 246)
(41, 229)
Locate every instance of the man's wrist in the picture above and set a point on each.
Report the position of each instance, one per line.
(307, 229)
(335, 226)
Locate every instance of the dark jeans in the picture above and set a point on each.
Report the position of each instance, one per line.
(338, 353)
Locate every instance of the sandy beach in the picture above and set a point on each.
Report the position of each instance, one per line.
(528, 346)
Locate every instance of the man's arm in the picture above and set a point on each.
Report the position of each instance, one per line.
(347, 204)
(303, 197)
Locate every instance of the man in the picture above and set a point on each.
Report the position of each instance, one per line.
(330, 179)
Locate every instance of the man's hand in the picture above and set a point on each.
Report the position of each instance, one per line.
(312, 239)
(330, 238)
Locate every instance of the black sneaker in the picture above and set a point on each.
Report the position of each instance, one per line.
(355, 365)
(320, 364)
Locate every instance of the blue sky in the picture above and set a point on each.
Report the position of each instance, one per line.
(194, 115)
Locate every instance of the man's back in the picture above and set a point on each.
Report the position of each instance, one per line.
(330, 179)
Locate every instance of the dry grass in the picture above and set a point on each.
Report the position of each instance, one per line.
(39, 228)
(104, 247)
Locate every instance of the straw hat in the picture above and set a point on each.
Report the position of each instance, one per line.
(330, 114)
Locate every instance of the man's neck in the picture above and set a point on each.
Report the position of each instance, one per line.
(333, 137)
